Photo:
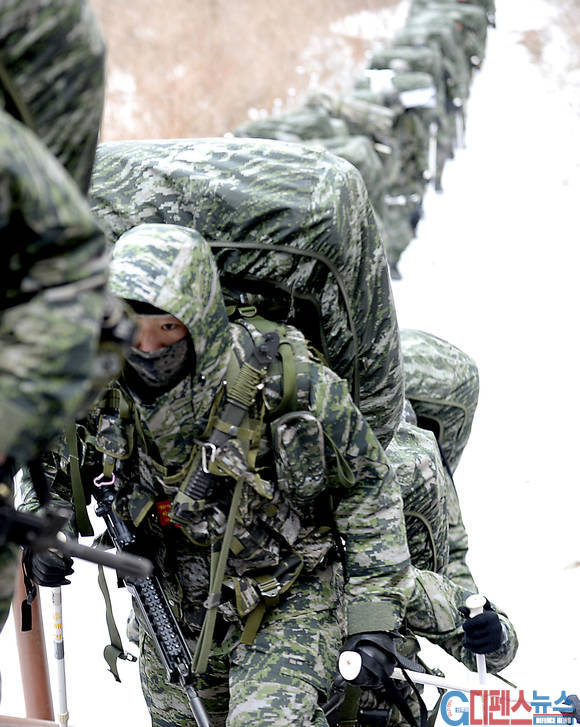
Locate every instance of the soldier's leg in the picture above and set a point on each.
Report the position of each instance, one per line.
(283, 677)
(168, 704)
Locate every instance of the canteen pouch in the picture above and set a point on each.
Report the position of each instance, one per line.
(298, 444)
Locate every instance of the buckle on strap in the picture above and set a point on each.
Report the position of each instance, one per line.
(269, 586)
(127, 656)
(206, 447)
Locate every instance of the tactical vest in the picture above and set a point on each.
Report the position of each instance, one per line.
(225, 458)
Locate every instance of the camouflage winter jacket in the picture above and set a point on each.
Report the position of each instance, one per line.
(53, 252)
(287, 498)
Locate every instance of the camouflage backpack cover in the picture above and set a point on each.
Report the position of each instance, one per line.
(291, 226)
(471, 20)
(442, 384)
(301, 124)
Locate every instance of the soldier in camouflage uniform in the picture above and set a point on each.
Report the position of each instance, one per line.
(294, 217)
(443, 384)
(53, 253)
(471, 20)
(162, 266)
(427, 59)
(304, 475)
(412, 98)
(443, 581)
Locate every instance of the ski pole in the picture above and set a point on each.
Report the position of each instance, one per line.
(475, 604)
(350, 665)
(59, 656)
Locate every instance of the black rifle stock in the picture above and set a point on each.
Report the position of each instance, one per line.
(150, 599)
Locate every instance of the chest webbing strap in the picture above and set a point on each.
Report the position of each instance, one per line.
(219, 559)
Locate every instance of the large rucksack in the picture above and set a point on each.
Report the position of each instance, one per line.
(297, 125)
(425, 59)
(471, 20)
(293, 232)
(378, 168)
(442, 384)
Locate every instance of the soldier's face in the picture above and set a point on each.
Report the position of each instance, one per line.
(156, 332)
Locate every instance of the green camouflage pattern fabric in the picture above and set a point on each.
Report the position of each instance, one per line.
(272, 193)
(442, 384)
(314, 127)
(398, 224)
(411, 128)
(173, 268)
(488, 6)
(457, 569)
(163, 265)
(53, 296)
(360, 152)
(424, 58)
(413, 455)
(436, 533)
(360, 116)
(432, 27)
(433, 614)
(471, 20)
(54, 254)
(299, 125)
(297, 647)
(53, 57)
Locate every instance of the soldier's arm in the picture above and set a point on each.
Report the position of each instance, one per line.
(433, 613)
(369, 516)
(54, 260)
(457, 568)
(56, 466)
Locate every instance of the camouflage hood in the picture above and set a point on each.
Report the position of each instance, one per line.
(52, 77)
(172, 268)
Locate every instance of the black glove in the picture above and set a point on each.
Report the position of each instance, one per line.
(376, 650)
(483, 633)
(47, 568)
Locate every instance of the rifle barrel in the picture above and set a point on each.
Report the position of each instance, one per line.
(126, 564)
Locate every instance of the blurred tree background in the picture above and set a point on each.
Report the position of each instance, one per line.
(200, 67)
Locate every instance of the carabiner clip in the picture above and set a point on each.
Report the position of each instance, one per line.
(204, 446)
(97, 482)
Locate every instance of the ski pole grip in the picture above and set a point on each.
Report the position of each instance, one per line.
(475, 604)
(349, 665)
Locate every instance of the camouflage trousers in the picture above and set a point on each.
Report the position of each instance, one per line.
(8, 568)
(281, 679)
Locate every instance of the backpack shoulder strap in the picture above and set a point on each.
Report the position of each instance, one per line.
(296, 360)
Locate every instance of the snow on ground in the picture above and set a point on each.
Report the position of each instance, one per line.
(495, 271)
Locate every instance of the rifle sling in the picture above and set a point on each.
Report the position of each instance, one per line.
(114, 650)
(79, 498)
(217, 572)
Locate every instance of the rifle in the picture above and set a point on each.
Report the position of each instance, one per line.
(43, 532)
(150, 599)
